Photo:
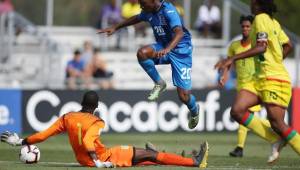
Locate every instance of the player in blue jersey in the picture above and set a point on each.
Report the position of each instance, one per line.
(173, 46)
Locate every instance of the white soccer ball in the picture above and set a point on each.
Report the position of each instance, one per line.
(30, 154)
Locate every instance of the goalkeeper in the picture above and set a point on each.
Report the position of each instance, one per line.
(84, 129)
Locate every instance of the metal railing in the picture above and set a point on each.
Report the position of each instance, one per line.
(10, 24)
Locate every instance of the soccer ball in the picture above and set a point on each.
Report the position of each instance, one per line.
(30, 154)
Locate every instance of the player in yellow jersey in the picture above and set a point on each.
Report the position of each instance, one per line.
(245, 70)
(270, 45)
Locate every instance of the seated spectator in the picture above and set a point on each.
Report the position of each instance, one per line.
(97, 70)
(208, 19)
(87, 52)
(75, 71)
(131, 8)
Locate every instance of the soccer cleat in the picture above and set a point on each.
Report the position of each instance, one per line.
(156, 91)
(237, 152)
(276, 148)
(150, 146)
(201, 158)
(193, 120)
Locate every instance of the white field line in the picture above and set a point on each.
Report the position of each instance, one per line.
(209, 167)
(45, 163)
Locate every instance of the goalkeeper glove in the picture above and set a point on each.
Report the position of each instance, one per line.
(11, 138)
(100, 164)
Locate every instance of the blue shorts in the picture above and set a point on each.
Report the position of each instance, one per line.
(180, 59)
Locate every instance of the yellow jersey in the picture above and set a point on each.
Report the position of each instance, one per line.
(129, 9)
(270, 64)
(244, 68)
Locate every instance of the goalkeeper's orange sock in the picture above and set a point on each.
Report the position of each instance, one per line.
(258, 127)
(293, 139)
(173, 159)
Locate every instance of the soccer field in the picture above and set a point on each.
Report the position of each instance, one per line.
(57, 154)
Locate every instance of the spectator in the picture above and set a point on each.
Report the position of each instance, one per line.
(110, 15)
(131, 8)
(208, 19)
(97, 69)
(6, 6)
(87, 53)
(179, 8)
(75, 71)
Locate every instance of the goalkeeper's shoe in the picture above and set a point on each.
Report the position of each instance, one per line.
(157, 90)
(200, 160)
(275, 152)
(150, 146)
(193, 120)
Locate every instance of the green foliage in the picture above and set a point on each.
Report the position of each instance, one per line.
(85, 12)
(288, 14)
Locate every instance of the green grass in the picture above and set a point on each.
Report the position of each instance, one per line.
(56, 152)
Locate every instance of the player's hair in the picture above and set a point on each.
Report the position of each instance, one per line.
(249, 18)
(77, 52)
(89, 101)
(267, 6)
(96, 50)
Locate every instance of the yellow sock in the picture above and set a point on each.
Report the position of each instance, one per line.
(259, 128)
(266, 122)
(293, 139)
(242, 135)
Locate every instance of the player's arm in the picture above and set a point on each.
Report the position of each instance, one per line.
(287, 49)
(14, 140)
(54, 129)
(226, 71)
(92, 134)
(287, 45)
(176, 39)
(130, 21)
(224, 75)
(260, 48)
(174, 22)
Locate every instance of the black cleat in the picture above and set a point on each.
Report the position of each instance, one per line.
(150, 146)
(237, 152)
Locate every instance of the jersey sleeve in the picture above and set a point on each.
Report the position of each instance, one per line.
(230, 51)
(142, 16)
(56, 128)
(259, 26)
(173, 17)
(283, 38)
(92, 134)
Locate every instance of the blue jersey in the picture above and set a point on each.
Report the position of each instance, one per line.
(163, 22)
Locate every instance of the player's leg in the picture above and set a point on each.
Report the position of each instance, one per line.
(181, 64)
(189, 100)
(276, 95)
(241, 139)
(276, 117)
(145, 57)
(144, 155)
(243, 101)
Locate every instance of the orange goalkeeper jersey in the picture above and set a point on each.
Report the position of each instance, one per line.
(83, 130)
